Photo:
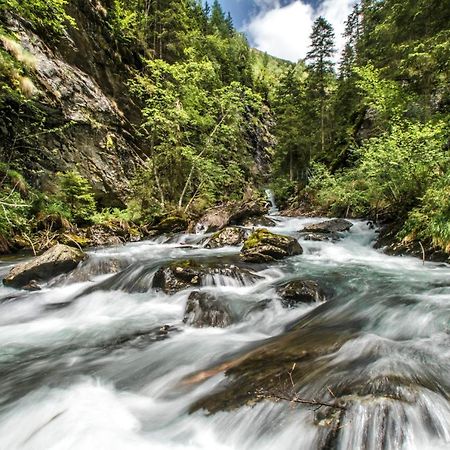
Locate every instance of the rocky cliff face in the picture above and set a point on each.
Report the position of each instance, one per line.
(82, 93)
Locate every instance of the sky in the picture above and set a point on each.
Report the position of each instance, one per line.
(282, 27)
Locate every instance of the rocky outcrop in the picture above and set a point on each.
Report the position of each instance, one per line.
(205, 310)
(185, 274)
(328, 226)
(230, 236)
(80, 85)
(263, 246)
(56, 261)
(300, 291)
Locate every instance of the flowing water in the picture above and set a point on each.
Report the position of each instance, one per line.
(85, 364)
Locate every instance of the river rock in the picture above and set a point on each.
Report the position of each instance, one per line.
(259, 221)
(300, 291)
(56, 261)
(263, 246)
(184, 274)
(204, 310)
(328, 226)
(230, 236)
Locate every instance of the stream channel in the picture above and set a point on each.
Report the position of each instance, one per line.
(99, 360)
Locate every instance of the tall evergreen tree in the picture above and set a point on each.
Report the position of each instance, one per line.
(320, 64)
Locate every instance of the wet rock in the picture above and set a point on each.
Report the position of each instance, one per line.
(205, 310)
(300, 291)
(32, 286)
(184, 274)
(258, 307)
(230, 236)
(321, 237)
(328, 226)
(142, 339)
(268, 367)
(264, 246)
(261, 221)
(56, 261)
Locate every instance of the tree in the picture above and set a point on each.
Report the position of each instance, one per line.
(320, 64)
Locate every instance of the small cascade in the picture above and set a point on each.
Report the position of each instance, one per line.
(273, 206)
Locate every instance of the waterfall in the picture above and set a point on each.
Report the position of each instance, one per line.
(273, 206)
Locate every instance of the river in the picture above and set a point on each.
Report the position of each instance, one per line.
(86, 364)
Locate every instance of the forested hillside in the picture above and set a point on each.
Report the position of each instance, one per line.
(370, 137)
(148, 108)
(132, 111)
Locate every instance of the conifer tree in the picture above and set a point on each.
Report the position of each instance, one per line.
(320, 64)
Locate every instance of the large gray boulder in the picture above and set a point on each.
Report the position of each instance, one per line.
(56, 261)
(204, 310)
(263, 246)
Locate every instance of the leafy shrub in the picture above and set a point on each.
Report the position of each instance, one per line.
(393, 172)
(74, 200)
(46, 15)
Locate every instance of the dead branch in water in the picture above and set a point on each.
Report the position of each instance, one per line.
(288, 393)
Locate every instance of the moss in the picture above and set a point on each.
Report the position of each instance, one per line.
(186, 264)
(261, 236)
(74, 239)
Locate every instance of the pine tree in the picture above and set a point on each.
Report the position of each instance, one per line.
(321, 66)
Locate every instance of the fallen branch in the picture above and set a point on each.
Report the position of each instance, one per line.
(288, 393)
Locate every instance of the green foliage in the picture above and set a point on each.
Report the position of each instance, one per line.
(14, 202)
(431, 220)
(74, 199)
(393, 171)
(45, 15)
(197, 128)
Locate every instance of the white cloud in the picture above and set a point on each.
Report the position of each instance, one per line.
(284, 31)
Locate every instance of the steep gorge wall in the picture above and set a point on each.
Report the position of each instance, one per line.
(90, 118)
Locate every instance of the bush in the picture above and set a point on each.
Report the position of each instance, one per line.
(393, 172)
(431, 220)
(74, 200)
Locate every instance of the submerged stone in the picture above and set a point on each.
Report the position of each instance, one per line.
(263, 246)
(205, 310)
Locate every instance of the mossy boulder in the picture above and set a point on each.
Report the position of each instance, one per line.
(263, 246)
(205, 310)
(56, 261)
(230, 236)
(300, 291)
